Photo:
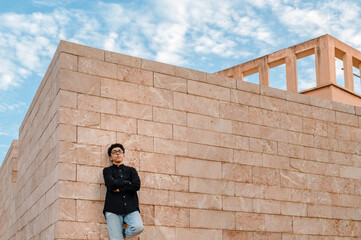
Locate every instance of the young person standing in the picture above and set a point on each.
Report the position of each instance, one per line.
(121, 201)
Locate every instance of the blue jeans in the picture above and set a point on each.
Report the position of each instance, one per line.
(115, 224)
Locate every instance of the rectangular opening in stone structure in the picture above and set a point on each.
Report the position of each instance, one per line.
(277, 76)
(340, 80)
(253, 78)
(357, 80)
(306, 72)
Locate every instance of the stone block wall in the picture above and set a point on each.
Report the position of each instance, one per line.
(218, 158)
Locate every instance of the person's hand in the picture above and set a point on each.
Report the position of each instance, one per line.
(116, 190)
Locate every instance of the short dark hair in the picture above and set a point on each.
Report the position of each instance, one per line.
(114, 146)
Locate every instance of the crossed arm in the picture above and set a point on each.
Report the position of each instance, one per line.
(120, 185)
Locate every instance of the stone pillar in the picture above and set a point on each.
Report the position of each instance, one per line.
(238, 74)
(347, 71)
(291, 72)
(325, 61)
(263, 71)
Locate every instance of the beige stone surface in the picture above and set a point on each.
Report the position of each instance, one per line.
(219, 158)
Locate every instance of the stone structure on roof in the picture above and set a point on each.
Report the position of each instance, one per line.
(325, 48)
(219, 158)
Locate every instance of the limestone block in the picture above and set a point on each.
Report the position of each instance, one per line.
(195, 104)
(212, 219)
(156, 197)
(249, 190)
(209, 123)
(97, 68)
(96, 104)
(81, 50)
(79, 190)
(273, 104)
(263, 146)
(246, 129)
(77, 117)
(158, 67)
(196, 135)
(245, 98)
(198, 233)
(135, 75)
(136, 142)
(89, 174)
(237, 204)
(299, 109)
(274, 134)
(312, 126)
(198, 168)
(278, 223)
(234, 111)
(248, 87)
(170, 147)
(266, 176)
(67, 132)
(68, 99)
(233, 141)
(319, 211)
(323, 114)
(273, 92)
(273, 161)
(79, 82)
(134, 110)
(67, 61)
(172, 216)
(266, 206)
(236, 172)
(77, 230)
(122, 59)
(209, 186)
(221, 81)
(95, 136)
(147, 214)
(314, 226)
(208, 90)
(196, 200)
(158, 232)
(248, 158)
(293, 209)
(347, 119)
(296, 97)
(250, 221)
(67, 171)
(66, 209)
(164, 182)
(158, 163)
(210, 152)
(170, 82)
(117, 123)
(165, 115)
(89, 211)
(154, 129)
(190, 74)
(131, 92)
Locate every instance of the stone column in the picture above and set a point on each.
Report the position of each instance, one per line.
(347, 71)
(325, 61)
(291, 72)
(263, 71)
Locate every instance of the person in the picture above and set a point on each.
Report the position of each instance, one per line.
(121, 201)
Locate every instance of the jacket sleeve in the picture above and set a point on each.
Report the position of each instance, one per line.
(134, 184)
(112, 183)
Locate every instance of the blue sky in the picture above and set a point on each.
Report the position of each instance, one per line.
(207, 35)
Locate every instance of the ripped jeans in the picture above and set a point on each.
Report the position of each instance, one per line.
(116, 222)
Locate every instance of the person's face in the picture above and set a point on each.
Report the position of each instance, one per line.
(117, 156)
